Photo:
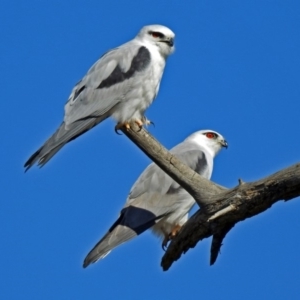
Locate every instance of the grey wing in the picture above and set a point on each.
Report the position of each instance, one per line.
(152, 181)
(94, 98)
(140, 213)
(156, 192)
(155, 180)
(106, 83)
(197, 159)
(151, 198)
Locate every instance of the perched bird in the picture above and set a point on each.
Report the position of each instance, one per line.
(156, 201)
(121, 84)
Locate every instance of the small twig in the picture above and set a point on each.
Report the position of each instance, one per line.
(241, 182)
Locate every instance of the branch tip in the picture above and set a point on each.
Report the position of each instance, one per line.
(241, 182)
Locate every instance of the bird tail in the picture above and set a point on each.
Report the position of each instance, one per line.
(62, 136)
(119, 235)
(132, 222)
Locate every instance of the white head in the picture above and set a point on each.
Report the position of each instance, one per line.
(160, 36)
(211, 140)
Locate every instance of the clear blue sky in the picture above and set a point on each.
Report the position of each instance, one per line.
(236, 70)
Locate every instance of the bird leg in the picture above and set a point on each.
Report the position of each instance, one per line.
(170, 236)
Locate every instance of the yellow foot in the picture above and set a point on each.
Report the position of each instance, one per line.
(143, 122)
(170, 236)
(139, 122)
(121, 125)
(174, 231)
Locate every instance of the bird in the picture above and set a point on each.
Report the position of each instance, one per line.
(121, 84)
(158, 202)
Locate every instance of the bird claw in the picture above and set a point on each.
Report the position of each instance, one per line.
(147, 122)
(165, 242)
(170, 236)
(140, 123)
(121, 125)
(117, 131)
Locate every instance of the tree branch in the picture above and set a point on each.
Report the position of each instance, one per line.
(249, 199)
(221, 208)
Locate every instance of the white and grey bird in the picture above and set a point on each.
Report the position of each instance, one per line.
(156, 201)
(121, 84)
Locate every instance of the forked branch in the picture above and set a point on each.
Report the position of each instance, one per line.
(221, 208)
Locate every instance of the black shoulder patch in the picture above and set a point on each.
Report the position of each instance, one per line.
(201, 165)
(139, 63)
(77, 92)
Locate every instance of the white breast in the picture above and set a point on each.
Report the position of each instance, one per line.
(142, 90)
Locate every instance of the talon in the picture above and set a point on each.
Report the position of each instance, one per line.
(164, 244)
(120, 125)
(170, 236)
(151, 123)
(147, 122)
(117, 131)
(139, 123)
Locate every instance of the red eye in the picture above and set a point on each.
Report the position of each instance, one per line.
(210, 135)
(157, 34)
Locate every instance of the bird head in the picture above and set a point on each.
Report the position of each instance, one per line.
(209, 139)
(159, 35)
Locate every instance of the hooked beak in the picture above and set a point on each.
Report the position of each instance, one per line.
(169, 41)
(224, 144)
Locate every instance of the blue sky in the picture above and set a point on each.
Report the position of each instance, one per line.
(235, 70)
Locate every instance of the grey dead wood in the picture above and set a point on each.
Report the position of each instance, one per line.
(220, 208)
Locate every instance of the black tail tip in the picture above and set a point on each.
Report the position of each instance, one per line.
(85, 263)
(32, 159)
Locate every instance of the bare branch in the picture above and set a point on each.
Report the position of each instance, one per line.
(221, 208)
(249, 199)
